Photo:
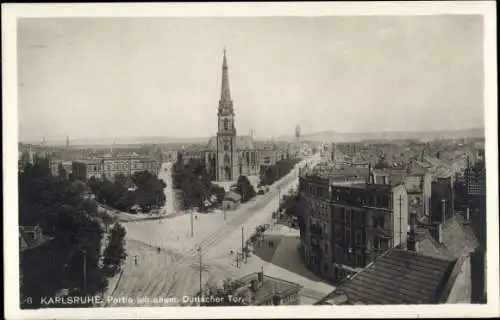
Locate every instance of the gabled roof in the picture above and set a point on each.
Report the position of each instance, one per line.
(458, 240)
(27, 239)
(397, 277)
(231, 195)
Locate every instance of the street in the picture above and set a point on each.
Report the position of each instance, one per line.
(174, 271)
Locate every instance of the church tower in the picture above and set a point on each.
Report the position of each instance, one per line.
(227, 155)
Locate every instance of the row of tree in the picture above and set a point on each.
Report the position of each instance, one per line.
(193, 181)
(142, 189)
(74, 225)
(270, 174)
(290, 204)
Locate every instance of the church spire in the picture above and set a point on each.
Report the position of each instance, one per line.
(225, 96)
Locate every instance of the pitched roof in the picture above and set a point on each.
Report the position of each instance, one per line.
(28, 238)
(458, 240)
(231, 195)
(398, 277)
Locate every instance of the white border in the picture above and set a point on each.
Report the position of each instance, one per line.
(11, 12)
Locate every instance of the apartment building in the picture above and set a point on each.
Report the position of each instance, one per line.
(109, 167)
(345, 226)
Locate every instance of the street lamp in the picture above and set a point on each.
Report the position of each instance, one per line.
(201, 286)
(192, 222)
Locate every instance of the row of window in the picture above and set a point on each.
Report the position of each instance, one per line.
(118, 166)
(316, 190)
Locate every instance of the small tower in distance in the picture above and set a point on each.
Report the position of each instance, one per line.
(67, 142)
(297, 139)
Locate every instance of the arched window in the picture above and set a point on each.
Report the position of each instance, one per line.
(226, 146)
(226, 124)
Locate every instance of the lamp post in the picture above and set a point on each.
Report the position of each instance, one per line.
(242, 245)
(201, 286)
(84, 251)
(192, 222)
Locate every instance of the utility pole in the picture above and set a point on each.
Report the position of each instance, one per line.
(84, 251)
(400, 221)
(279, 200)
(201, 285)
(224, 209)
(242, 245)
(192, 230)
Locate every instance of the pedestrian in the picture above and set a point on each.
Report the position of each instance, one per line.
(135, 260)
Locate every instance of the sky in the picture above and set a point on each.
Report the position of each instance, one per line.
(143, 77)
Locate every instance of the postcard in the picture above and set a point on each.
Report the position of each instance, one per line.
(282, 159)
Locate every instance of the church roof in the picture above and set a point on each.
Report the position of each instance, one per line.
(225, 91)
(242, 143)
(265, 145)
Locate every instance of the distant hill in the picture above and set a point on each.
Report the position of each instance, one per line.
(107, 142)
(322, 136)
(332, 136)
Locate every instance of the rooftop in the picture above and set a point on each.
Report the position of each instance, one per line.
(458, 239)
(269, 287)
(242, 143)
(31, 237)
(231, 195)
(396, 277)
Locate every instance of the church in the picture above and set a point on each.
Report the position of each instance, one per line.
(227, 155)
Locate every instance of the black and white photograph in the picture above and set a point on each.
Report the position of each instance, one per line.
(197, 156)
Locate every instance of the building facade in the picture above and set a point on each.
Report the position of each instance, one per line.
(418, 185)
(109, 167)
(346, 226)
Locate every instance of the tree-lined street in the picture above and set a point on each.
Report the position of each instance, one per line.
(178, 273)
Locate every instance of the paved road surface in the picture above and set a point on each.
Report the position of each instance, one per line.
(182, 276)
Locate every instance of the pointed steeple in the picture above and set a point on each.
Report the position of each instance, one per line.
(225, 96)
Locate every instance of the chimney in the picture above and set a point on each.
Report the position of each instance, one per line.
(413, 223)
(254, 285)
(369, 173)
(438, 232)
(443, 210)
(260, 277)
(411, 243)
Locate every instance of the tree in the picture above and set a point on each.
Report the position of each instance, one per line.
(193, 180)
(149, 191)
(245, 189)
(56, 205)
(271, 174)
(114, 254)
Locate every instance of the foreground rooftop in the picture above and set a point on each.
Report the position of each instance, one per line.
(396, 277)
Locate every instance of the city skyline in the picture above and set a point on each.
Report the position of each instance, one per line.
(122, 77)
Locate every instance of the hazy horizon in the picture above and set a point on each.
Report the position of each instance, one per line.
(90, 78)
